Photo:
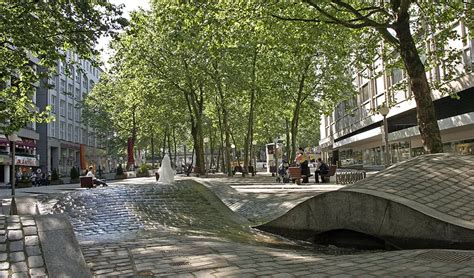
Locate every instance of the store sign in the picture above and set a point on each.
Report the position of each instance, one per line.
(25, 161)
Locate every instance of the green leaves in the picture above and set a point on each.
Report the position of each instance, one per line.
(34, 36)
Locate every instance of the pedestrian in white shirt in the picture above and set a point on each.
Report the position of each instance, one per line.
(94, 179)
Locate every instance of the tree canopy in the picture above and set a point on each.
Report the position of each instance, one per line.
(34, 36)
(231, 73)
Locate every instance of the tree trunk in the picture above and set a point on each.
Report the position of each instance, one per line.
(164, 145)
(174, 146)
(169, 150)
(195, 108)
(221, 132)
(152, 152)
(296, 111)
(426, 116)
(287, 131)
(185, 156)
(211, 150)
(225, 118)
(249, 136)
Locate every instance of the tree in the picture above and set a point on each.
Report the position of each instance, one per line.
(44, 30)
(396, 22)
(224, 70)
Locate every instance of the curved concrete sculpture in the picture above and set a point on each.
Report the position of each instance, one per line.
(425, 202)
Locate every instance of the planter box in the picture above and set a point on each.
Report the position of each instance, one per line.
(55, 182)
(74, 180)
(130, 174)
(122, 176)
(23, 184)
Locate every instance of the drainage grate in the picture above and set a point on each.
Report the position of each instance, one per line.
(447, 256)
(183, 263)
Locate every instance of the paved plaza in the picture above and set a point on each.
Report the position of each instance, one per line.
(202, 227)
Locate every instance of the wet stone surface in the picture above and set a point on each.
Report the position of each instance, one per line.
(141, 210)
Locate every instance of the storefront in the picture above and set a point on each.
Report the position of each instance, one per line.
(26, 159)
(399, 151)
(69, 157)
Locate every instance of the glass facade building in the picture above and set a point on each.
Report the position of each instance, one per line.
(353, 134)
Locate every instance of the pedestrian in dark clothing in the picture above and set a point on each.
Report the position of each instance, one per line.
(302, 160)
(322, 170)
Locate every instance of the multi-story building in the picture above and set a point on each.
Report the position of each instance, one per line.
(67, 142)
(353, 134)
(26, 158)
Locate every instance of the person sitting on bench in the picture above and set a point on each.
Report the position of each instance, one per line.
(322, 170)
(94, 179)
(302, 160)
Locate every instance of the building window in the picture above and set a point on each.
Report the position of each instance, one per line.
(76, 135)
(91, 139)
(78, 77)
(53, 129)
(84, 136)
(397, 76)
(53, 104)
(85, 82)
(467, 58)
(365, 93)
(78, 94)
(69, 132)
(77, 113)
(70, 90)
(69, 111)
(62, 130)
(62, 108)
(62, 88)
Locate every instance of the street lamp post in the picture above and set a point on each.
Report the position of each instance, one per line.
(384, 110)
(206, 141)
(233, 157)
(13, 138)
(276, 155)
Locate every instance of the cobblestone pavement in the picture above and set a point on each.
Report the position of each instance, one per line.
(130, 211)
(20, 248)
(201, 256)
(440, 182)
(261, 199)
(182, 230)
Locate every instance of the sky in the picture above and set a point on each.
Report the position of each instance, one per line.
(130, 5)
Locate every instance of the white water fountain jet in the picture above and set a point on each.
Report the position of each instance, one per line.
(166, 172)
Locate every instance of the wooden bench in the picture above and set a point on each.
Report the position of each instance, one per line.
(86, 182)
(331, 172)
(295, 174)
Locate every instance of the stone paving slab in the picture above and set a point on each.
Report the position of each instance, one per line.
(21, 252)
(172, 255)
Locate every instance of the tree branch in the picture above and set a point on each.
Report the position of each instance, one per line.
(382, 28)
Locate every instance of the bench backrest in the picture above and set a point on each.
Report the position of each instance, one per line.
(332, 170)
(86, 182)
(294, 171)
